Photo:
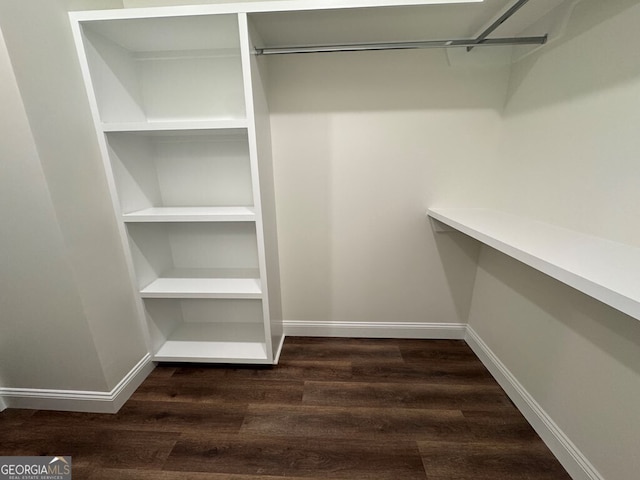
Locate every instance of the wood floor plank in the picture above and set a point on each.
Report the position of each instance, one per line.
(490, 461)
(14, 417)
(287, 370)
(80, 472)
(91, 446)
(239, 391)
(342, 351)
(326, 458)
(122, 474)
(156, 416)
(162, 371)
(389, 424)
(507, 425)
(443, 351)
(436, 372)
(403, 395)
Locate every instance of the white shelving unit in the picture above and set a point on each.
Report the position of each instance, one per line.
(182, 122)
(600, 268)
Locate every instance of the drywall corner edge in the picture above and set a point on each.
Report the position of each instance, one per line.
(567, 453)
(78, 401)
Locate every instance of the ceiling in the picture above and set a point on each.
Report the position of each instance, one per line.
(392, 24)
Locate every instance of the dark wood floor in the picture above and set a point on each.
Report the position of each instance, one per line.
(344, 409)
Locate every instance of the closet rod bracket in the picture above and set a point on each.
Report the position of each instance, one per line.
(503, 18)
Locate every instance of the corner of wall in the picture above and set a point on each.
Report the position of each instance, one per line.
(77, 231)
(571, 458)
(564, 358)
(77, 400)
(459, 256)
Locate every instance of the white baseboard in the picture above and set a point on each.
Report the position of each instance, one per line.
(450, 331)
(571, 458)
(77, 400)
(3, 405)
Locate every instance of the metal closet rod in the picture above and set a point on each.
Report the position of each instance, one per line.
(480, 41)
(503, 18)
(358, 47)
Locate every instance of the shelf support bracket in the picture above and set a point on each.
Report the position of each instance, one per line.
(440, 227)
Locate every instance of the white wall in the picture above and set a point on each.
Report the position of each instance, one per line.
(71, 5)
(579, 359)
(571, 145)
(363, 143)
(43, 331)
(67, 285)
(570, 157)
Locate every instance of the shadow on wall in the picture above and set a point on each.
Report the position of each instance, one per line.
(610, 331)
(458, 255)
(598, 51)
(380, 81)
(304, 200)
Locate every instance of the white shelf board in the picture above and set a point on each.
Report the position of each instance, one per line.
(173, 125)
(251, 7)
(192, 214)
(243, 288)
(605, 270)
(214, 342)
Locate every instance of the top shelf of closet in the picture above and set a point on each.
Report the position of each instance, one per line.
(600, 268)
(146, 79)
(286, 23)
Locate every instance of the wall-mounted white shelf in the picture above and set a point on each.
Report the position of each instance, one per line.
(192, 214)
(605, 270)
(227, 288)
